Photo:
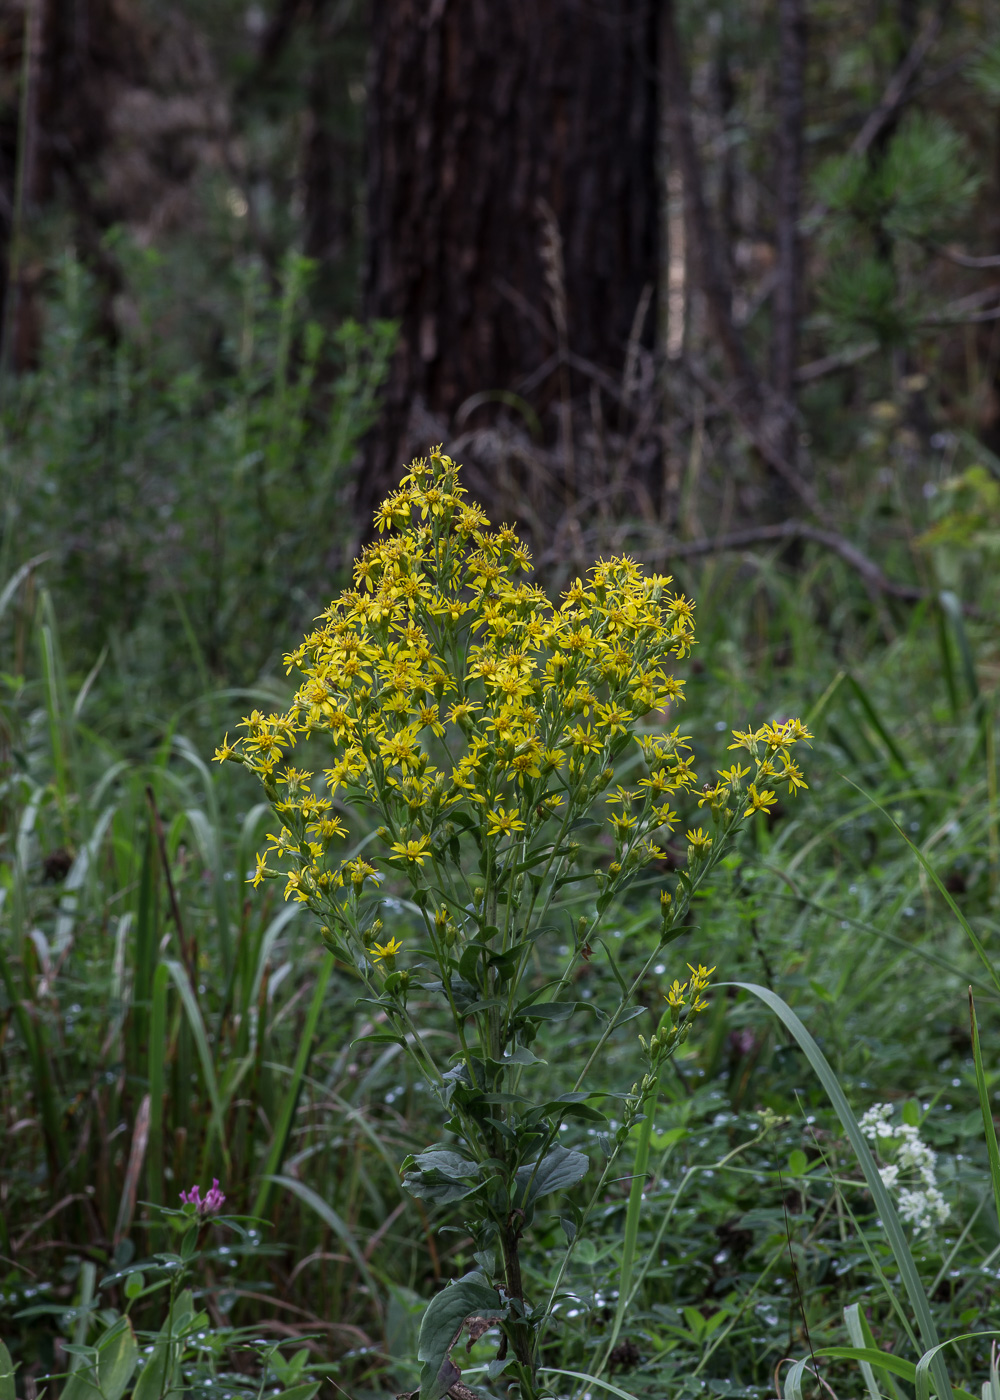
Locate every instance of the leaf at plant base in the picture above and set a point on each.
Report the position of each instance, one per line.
(7, 1391)
(560, 1167)
(440, 1325)
(152, 1382)
(117, 1357)
(160, 1371)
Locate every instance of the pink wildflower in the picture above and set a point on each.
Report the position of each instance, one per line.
(210, 1205)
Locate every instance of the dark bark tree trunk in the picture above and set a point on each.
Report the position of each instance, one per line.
(503, 141)
(788, 242)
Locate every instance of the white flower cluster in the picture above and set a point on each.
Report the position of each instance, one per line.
(912, 1172)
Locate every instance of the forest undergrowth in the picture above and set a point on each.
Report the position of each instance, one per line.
(164, 1023)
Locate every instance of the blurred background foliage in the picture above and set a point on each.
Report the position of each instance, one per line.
(253, 257)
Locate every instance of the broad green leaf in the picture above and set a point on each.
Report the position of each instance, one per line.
(306, 1391)
(560, 1167)
(153, 1380)
(7, 1391)
(117, 1357)
(440, 1326)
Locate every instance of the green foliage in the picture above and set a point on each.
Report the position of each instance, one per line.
(171, 489)
(919, 186)
(751, 1221)
(884, 207)
(863, 299)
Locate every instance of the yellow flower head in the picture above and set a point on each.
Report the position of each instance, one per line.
(416, 850)
(385, 952)
(700, 843)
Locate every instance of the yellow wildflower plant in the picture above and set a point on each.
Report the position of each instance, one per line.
(481, 725)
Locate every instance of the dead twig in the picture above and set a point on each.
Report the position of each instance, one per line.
(870, 572)
(964, 259)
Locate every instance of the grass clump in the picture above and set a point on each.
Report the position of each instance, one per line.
(163, 1021)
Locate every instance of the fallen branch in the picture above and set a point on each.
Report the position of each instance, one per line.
(964, 259)
(838, 544)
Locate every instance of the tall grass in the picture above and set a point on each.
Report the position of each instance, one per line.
(162, 1023)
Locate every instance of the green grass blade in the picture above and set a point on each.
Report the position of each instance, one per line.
(947, 662)
(609, 1386)
(283, 1126)
(883, 1201)
(146, 928)
(197, 1025)
(989, 1128)
(330, 1217)
(895, 1365)
(900, 766)
(632, 1215)
(157, 1083)
(926, 1363)
(18, 577)
(951, 606)
(939, 884)
(861, 1336)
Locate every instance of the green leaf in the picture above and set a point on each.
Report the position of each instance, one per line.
(152, 1382)
(899, 1366)
(157, 1377)
(440, 1326)
(327, 1214)
(442, 1177)
(306, 1391)
(559, 1168)
(548, 1010)
(7, 1391)
(798, 1162)
(117, 1357)
(609, 1386)
(861, 1336)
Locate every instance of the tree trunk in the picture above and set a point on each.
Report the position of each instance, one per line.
(511, 202)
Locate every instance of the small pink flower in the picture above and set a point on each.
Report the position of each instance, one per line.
(210, 1205)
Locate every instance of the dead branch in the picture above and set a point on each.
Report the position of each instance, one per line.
(871, 574)
(964, 259)
(841, 359)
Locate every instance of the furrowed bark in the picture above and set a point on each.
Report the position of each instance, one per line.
(788, 284)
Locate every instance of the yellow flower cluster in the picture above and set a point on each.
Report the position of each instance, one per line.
(456, 701)
(441, 681)
(684, 1001)
(688, 996)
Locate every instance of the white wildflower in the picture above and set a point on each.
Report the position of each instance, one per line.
(912, 1173)
(875, 1121)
